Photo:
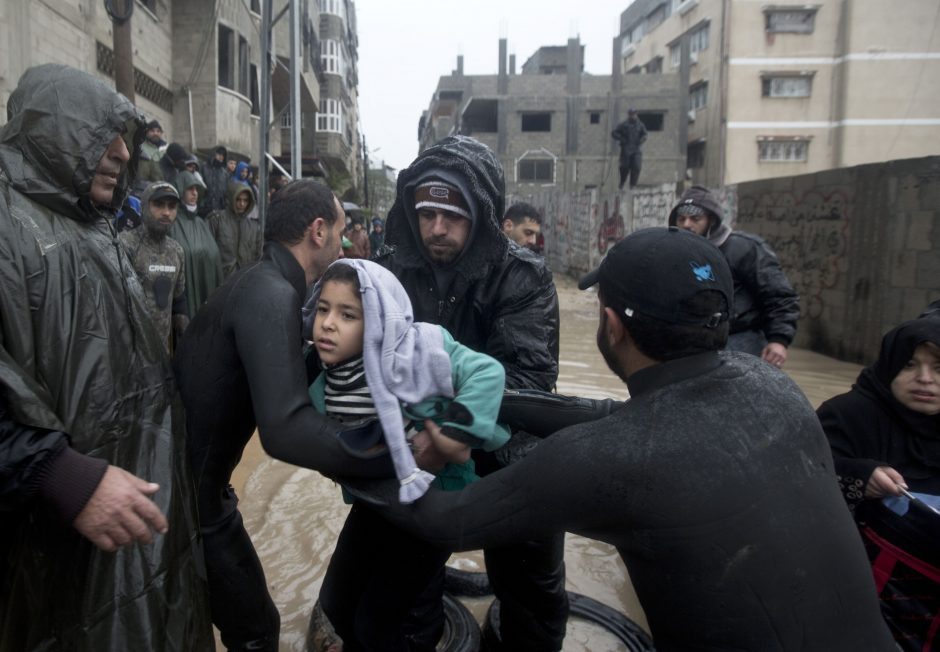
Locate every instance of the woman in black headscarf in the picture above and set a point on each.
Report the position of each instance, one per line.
(885, 438)
(885, 432)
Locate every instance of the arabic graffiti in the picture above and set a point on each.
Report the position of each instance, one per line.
(808, 232)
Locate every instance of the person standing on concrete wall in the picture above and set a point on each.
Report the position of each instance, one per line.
(766, 307)
(631, 134)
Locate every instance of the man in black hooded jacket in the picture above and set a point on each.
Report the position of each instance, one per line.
(445, 244)
(766, 307)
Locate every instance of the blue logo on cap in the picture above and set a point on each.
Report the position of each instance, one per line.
(702, 272)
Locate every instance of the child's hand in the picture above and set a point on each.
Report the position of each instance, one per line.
(452, 450)
(427, 457)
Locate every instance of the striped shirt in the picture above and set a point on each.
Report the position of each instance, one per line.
(346, 394)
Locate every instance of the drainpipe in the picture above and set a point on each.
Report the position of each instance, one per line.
(192, 128)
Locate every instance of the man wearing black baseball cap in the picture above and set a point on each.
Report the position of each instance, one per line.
(714, 481)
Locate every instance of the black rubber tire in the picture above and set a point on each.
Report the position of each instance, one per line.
(461, 631)
(633, 637)
(469, 584)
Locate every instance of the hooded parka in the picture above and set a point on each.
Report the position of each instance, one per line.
(501, 299)
(202, 258)
(239, 237)
(83, 373)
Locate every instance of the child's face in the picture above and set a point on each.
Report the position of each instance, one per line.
(338, 325)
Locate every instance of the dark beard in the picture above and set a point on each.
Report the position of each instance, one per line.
(156, 230)
(605, 349)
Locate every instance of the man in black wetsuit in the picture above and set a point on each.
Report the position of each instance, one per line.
(240, 365)
(733, 529)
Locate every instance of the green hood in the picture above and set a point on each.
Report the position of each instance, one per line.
(61, 121)
(235, 188)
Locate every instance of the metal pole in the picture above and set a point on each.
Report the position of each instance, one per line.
(123, 51)
(295, 66)
(265, 109)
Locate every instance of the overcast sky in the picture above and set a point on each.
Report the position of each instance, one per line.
(405, 46)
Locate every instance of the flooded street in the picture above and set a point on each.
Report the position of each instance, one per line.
(294, 515)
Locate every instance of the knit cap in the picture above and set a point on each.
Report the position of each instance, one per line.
(436, 194)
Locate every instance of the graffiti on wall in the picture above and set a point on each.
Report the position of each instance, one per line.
(808, 232)
(611, 228)
(651, 206)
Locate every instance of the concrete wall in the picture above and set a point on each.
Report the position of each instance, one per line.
(580, 227)
(861, 245)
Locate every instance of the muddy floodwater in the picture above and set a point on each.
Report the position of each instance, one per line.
(294, 515)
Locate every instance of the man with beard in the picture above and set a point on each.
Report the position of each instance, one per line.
(90, 421)
(733, 530)
(216, 177)
(445, 244)
(158, 261)
(151, 151)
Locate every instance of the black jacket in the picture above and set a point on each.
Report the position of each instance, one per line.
(240, 365)
(764, 299)
(502, 300)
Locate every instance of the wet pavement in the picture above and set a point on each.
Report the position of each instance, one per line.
(294, 515)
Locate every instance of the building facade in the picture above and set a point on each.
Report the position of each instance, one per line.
(196, 65)
(550, 126)
(784, 89)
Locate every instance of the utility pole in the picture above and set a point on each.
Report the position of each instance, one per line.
(120, 12)
(365, 173)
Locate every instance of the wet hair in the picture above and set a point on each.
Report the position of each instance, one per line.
(520, 211)
(662, 340)
(295, 206)
(340, 273)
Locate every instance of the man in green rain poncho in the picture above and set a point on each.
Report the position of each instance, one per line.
(202, 260)
(98, 532)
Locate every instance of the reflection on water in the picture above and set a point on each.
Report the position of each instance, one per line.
(294, 515)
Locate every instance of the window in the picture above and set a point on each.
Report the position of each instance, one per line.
(286, 121)
(674, 55)
(797, 21)
(536, 122)
(792, 150)
(244, 72)
(698, 96)
(595, 118)
(256, 6)
(695, 154)
(698, 40)
(226, 57)
(331, 56)
(652, 120)
(655, 17)
(537, 170)
(786, 85)
(253, 87)
(330, 117)
(654, 66)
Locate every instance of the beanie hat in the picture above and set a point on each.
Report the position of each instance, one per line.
(176, 153)
(153, 124)
(436, 194)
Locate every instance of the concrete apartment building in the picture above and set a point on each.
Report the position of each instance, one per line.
(550, 125)
(196, 64)
(784, 89)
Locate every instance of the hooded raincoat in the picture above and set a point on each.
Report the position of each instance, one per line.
(239, 238)
(203, 261)
(83, 371)
(501, 300)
